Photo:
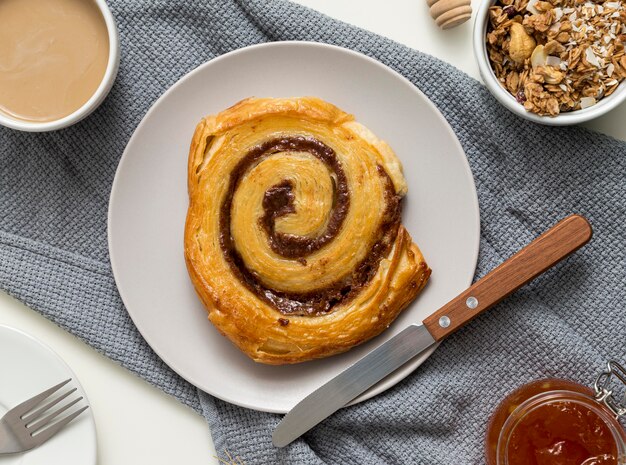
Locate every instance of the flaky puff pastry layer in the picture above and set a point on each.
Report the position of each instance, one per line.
(227, 229)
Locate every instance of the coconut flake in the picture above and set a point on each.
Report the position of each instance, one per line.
(587, 102)
(610, 69)
(555, 27)
(573, 17)
(539, 57)
(613, 5)
(591, 57)
(615, 15)
(558, 13)
(564, 65)
(563, 87)
(553, 61)
(531, 7)
(612, 82)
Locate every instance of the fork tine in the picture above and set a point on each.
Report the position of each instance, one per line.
(31, 403)
(36, 414)
(45, 421)
(47, 433)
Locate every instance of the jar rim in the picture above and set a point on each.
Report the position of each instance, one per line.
(559, 395)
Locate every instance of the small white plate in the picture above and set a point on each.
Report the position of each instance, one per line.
(27, 367)
(149, 203)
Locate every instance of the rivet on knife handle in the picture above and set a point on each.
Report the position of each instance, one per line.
(548, 249)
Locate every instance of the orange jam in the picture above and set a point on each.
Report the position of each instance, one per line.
(554, 422)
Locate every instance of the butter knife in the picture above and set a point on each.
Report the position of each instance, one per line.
(541, 254)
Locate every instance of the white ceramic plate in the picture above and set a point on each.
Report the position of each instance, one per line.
(149, 203)
(27, 367)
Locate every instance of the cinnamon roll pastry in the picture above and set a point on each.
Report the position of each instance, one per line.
(293, 239)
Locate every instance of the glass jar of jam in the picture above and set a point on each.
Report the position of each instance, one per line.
(558, 422)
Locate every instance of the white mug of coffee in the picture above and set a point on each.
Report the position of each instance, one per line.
(58, 61)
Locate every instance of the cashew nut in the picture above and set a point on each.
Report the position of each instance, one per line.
(521, 45)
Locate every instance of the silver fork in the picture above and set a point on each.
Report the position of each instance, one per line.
(22, 429)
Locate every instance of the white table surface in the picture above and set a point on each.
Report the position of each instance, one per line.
(138, 424)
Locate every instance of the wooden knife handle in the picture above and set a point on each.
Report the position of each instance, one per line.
(547, 250)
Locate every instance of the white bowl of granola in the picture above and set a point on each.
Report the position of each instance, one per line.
(556, 62)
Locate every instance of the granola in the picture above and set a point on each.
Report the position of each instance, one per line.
(558, 55)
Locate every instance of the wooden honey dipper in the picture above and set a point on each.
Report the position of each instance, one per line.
(450, 13)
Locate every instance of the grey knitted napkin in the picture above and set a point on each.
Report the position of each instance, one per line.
(54, 191)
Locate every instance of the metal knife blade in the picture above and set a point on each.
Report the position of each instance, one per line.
(344, 387)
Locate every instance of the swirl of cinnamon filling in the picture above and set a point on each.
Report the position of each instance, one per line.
(293, 238)
(278, 201)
